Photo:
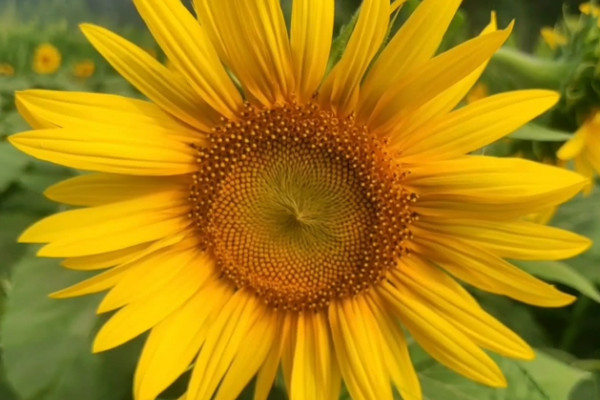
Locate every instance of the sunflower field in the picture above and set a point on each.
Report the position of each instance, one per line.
(299, 199)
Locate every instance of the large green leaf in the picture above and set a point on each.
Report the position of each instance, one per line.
(47, 343)
(561, 272)
(582, 215)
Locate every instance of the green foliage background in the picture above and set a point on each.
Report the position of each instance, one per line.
(45, 344)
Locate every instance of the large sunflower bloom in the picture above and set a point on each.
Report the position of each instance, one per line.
(303, 219)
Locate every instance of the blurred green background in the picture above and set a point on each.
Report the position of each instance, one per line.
(45, 344)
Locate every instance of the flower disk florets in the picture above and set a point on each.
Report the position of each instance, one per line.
(300, 206)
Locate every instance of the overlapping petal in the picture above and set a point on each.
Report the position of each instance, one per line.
(311, 31)
(141, 315)
(119, 150)
(92, 230)
(341, 87)
(359, 349)
(425, 82)
(520, 240)
(98, 189)
(413, 44)
(263, 64)
(489, 188)
(440, 338)
(161, 85)
(483, 269)
(188, 46)
(473, 126)
(175, 341)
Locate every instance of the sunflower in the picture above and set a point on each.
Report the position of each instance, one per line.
(584, 149)
(553, 38)
(84, 69)
(305, 218)
(6, 69)
(46, 59)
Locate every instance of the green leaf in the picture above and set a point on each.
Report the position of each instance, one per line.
(11, 226)
(12, 123)
(544, 378)
(540, 133)
(47, 343)
(561, 272)
(582, 215)
(40, 175)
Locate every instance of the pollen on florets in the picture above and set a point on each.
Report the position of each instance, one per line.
(299, 206)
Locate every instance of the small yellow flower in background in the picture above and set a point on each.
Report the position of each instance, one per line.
(589, 9)
(6, 69)
(47, 59)
(584, 149)
(307, 220)
(479, 91)
(553, 38)
(84, 69)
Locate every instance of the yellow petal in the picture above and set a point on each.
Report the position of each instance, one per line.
(268, 371)
(395, 351)
(432, 287)
(254, 44)
(591, 152)
(122, 256)
(161, 85)
(575, 145)
(33, 120)
(488, 272)
(175, 341)
(425, 82)
(93, 230)
(99, 189)
(288, 351)
(396, 4)
(489, 187)
(340, 89)
(82, 110)
(95, 284)
(519, 240)
(315, 374)
(311, 33)
(224, 340)
(440, 339)
(585, 168)
(359, 349)
(413, 44)
(118, 150)
(474, 126)
(188, 47)
(445, 101)
(247, 361)
(148, 275)
(104, 260)
(140, 316)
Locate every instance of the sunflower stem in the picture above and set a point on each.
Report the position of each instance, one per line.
(577, 317)
(530, 71)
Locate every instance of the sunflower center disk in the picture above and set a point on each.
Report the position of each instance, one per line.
(299, 206)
